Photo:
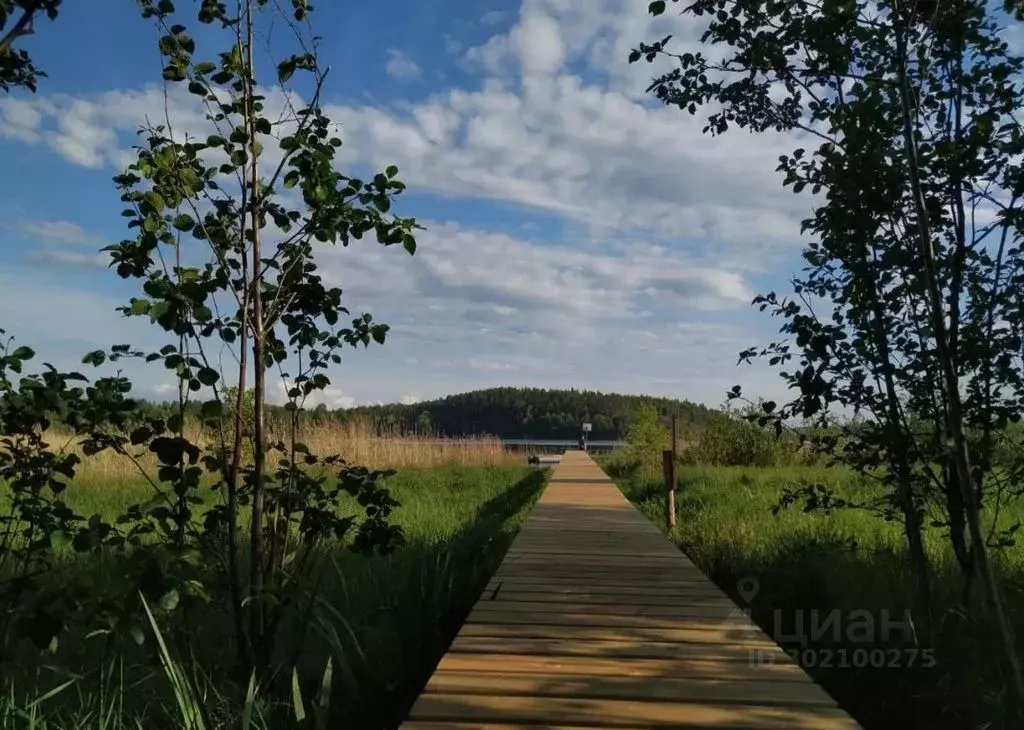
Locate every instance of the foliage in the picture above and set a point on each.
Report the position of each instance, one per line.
(224, 255)
(907, 311)
(728, 440)
(214, 227)
(458, 521)
(646, 439)
(35, 517)
(17, 19)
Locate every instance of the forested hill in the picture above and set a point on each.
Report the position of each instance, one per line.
(525, 413)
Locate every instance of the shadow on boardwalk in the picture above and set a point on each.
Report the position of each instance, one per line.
(429, 587)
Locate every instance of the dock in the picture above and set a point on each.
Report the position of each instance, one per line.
(594, 619)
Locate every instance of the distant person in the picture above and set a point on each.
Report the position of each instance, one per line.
(583, 443)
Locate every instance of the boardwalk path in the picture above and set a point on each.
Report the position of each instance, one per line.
(595, 620)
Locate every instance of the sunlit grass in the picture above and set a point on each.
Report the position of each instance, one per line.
(383, 622)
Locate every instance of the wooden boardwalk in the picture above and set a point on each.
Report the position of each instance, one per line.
(595, 620)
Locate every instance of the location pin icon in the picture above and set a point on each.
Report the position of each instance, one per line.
(747, 588)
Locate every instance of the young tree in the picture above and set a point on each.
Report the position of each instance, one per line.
(226, 226)
(908, 309)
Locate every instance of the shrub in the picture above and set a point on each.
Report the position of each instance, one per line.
(728, 440)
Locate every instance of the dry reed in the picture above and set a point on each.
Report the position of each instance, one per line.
(354, 442)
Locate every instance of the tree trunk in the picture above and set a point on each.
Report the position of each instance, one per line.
(257, 625)
(960, 453)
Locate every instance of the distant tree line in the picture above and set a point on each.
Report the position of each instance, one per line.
(527, 413)
(503, 412)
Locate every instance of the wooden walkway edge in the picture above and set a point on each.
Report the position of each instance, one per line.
(595, 620)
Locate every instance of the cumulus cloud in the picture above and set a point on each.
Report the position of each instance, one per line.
(663, 225)
(62, 231)
(400, 66)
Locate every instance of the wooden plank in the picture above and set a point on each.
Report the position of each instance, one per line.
(554, 585)
(700, 619)
(670, 689)
(625, 713)
(694, 609)
(678, 665)
(749, 649)
(590, 599)
(690, 631)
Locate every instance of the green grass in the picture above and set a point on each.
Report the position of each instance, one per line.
(847, 561)
(383, 624)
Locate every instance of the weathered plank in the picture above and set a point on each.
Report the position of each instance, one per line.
(594, 619)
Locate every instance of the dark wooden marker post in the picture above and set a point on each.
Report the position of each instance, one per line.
(669, 458)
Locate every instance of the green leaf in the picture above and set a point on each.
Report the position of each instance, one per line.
(391, 171)
(211, 409)
(409, 243)
(154, 202)
(137, 635)
(291, 179)
(23, 353)
(174, 73)
(239, 158)
(297, 704)
(207, 376)
(184, 222)
(169, 601)
(657, 7)
(95, 358)
(198, 88)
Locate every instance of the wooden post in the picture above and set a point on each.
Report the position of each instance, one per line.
(669, 467)
(671, 504)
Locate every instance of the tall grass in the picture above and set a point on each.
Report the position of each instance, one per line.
(355, 441)
(363, 652)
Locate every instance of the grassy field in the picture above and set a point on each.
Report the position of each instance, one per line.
(847, 561)
(384, 622)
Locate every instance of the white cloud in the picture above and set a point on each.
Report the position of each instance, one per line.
(495, 17)
(662, 223)
(400, 66)
(63, 231)
(537, 42)
(19, 120)
(71, 258)
(410, 400)
(477, 364)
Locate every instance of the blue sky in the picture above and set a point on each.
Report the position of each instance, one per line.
(578, 234)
